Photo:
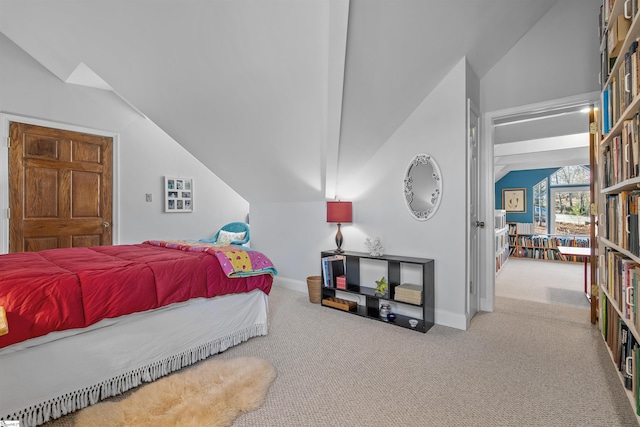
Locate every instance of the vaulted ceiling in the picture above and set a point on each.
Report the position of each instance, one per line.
(298, 92)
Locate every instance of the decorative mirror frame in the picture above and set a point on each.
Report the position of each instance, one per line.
(436, 196)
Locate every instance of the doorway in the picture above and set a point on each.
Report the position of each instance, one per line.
(532, 142)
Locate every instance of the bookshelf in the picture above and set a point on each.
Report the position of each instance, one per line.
(501, 233)
(618, 176)
(525, 243)
(371, 306)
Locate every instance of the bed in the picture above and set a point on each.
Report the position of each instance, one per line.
(85, 324)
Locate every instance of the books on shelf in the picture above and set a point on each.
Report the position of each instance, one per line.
(621, 158)
(623, 346)
(332, 267)
(500, 219)
(543, 246)
(501, 235)
(521, 228)
(621, 282)
(525, 228)
(619, 171)
(622, 220)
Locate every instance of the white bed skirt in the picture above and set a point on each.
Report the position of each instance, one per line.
(55, 378)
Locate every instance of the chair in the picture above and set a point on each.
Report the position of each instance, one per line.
(232, 227)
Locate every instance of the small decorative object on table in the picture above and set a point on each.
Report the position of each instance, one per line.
(341, 282)
(413, 323)
(374, 246)
(385, 311)
(381, 289)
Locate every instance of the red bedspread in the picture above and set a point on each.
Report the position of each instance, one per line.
(62, 289)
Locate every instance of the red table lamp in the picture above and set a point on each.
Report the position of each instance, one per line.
(339, 212)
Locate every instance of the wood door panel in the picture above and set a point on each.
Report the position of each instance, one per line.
(85, 195)
(41, 193)
(40, 147)
(86, 152)
(40, 244)
(87, 167)
(60, 188)
(85, 241)
(60, 227)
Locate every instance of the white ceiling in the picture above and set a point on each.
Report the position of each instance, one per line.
(298, 92)
(553, 137)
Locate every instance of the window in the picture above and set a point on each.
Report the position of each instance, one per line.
(570, 201)
(540, 206)
(570, 175)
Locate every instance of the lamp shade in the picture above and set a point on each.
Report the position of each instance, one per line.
(339, 212)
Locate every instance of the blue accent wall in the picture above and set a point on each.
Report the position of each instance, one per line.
(522, 179)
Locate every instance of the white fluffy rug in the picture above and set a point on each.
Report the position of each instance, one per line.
(212, 394)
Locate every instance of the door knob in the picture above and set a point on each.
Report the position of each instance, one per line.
(105, 225)
(480, 224)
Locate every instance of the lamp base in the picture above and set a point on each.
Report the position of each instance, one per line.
(339, 241)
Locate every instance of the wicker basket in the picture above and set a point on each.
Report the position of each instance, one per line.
(314, 284)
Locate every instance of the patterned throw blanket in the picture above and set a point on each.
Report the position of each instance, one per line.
(236, 261)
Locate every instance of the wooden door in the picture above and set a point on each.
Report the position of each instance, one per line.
(60, 192)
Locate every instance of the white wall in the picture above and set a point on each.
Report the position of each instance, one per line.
(145, 153)
(557, 58)
(292, 235)
(436, 127)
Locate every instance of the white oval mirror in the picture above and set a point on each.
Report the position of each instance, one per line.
(422, 187)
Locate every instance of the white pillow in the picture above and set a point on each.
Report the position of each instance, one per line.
(226, 237)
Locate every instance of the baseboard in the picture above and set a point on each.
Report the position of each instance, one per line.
(294, 285)
(452, 320)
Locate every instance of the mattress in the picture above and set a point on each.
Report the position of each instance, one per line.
(68, 371)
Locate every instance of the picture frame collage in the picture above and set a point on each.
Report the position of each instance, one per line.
(178, 194)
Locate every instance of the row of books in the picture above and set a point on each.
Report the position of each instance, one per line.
(332, 267)
(549, 241)
(622, 88)
(622, 278)
(624, 348)
(631, 9)
(623, 221)
(521, 228)
(500, 219)
(501, 241)
(621, 158)
(501, 258)
(548, 254)
(552, 242)
(621, 85)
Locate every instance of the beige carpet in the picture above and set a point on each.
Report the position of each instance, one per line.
(525, 364)
(211, 394)
(543, 281)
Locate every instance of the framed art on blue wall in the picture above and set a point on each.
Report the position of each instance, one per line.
(178, 194)
(514, 200)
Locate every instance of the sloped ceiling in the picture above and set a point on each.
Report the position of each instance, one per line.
(297, 93)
